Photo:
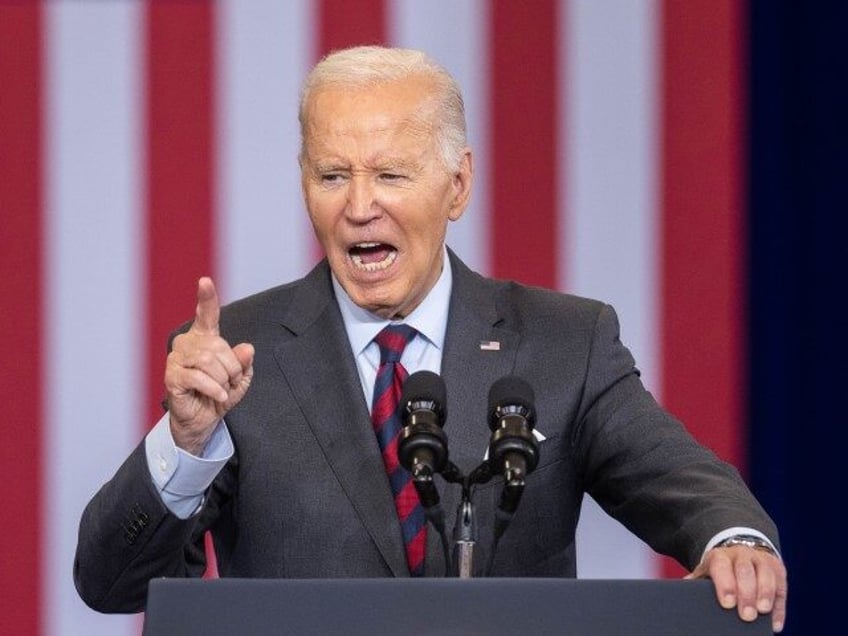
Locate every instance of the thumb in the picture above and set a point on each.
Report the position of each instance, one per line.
(244, 354)
(208, 311)
(699, 572)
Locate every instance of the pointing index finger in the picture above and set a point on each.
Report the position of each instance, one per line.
(208, 312)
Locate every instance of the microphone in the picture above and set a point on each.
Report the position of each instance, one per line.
(423, 446)
(513, 449)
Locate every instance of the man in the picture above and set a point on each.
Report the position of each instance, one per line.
(270, 445)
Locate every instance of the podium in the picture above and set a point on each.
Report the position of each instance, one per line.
(440, 607)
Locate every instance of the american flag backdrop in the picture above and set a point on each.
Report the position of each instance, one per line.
(145, 144)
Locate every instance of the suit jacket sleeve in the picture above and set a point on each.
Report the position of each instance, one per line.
(645, 469)
(128, 536)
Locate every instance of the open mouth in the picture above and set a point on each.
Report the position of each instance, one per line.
(372, 257)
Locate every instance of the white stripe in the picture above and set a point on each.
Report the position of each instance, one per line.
(93, 251)
(264, 233)
(462, 50)
(610, 174)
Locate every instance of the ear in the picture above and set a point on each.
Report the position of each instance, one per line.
(462, 180)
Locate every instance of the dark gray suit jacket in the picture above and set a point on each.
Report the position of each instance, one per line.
(306, 493)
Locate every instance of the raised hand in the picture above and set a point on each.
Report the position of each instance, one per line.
(204, 376)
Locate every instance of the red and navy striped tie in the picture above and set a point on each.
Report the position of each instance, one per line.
(385, 416)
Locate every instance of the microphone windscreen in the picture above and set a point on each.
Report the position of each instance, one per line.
(511, 391)
(425, 386)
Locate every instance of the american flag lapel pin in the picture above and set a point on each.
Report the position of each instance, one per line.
(490, 345)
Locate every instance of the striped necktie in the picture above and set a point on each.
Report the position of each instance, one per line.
(385, 416)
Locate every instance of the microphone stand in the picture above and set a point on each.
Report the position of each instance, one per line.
(465, 530)
(464, 537)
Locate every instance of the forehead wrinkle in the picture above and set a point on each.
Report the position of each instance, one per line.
(410, 158)
(376, 162)
(329, 140)
(389, 161)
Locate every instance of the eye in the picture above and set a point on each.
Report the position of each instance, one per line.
(331, 178)
(391, 176)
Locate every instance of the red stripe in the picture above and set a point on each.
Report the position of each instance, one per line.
(703, 230)
(21, 321)
(211, 571)
(180, 178)
(523, 134)
(385, 405)
(390, 456)
(180, 173)
(406, 500)
(345, 23)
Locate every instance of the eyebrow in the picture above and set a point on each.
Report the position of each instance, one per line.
(380, 165)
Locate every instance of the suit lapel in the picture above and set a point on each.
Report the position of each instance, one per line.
(320, 368)
(479, 350)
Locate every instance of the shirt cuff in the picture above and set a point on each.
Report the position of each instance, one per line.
(732, 532)
(180, 477)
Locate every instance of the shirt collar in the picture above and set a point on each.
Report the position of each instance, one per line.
(429, 318)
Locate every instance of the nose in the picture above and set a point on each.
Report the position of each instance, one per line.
(362, 206)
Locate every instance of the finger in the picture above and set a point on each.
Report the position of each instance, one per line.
(746, 588)
(195, 380)
(206, 361)
(771, 590)
(720, 570)
(766, 585)
(778, 613)
(208, 311)
(218, 363)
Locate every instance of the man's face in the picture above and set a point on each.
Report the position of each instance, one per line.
(378, 195)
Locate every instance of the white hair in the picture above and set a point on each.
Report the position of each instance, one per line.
(364, 66)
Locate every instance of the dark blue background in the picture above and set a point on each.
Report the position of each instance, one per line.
(798, 200)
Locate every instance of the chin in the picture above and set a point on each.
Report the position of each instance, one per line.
(384, 309)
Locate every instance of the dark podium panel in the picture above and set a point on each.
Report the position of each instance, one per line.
(440, 607)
